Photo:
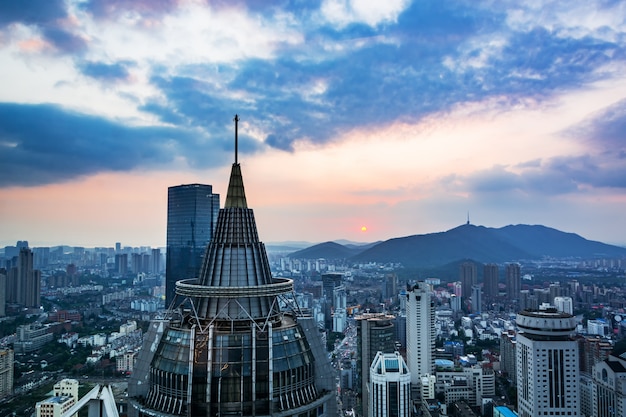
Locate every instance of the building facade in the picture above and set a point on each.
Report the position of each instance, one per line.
(6, 372)
(390, 389)
(469, 277)
(609, 387)
(490, 281)
(375, 333)
(513, 280)
(65, 395)
(547, 364)
(23, 285)
(420, 331)
(191, 218)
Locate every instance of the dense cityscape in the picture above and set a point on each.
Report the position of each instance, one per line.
(468, 158)
(461, 344)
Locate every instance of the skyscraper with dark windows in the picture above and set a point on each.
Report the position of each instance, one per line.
(235, 342)
(23, 281)
(191, 217)
(490, 281)
(375, 333)
(468, 277)
(329, 283)
(513, 281)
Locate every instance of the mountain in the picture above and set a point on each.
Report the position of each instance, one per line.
(328, 250)
(483, 244)
(479, 243)
(544, 241)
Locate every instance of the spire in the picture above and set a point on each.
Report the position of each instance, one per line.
(236, 195)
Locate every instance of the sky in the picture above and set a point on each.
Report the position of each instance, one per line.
(360, 120)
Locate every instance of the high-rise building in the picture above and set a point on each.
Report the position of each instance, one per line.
(564, 304)
(513, 281)
(592, 349)
(329, 282)
(468, 277)
(609, 396)
(547, 364)
(228, 347)
(6, 372)
(375, 333)
(155, 261)
(420, 331)
(490, 281)
(23, 281)
(507, 354)
(391, 286)
(390, 387)
(477, 299)
(340, 316)
(191, 218)
(3, 292)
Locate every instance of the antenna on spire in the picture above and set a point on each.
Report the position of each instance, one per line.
(236, 119)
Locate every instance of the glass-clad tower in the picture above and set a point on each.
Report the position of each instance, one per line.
(191, 217)
(235, 343)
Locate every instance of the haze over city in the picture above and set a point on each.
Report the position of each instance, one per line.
(359, 120)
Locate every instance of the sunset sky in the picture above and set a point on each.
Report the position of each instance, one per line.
(360, 120)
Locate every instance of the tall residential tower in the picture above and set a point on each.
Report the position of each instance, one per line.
(547, 364)
(420, 332)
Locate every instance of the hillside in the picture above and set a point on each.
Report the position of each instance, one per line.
(479, 243)
(327, 250)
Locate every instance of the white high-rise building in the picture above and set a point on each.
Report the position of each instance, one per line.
(390, 386)
(609, 380)
(420, 332)
(564, 304)
(547, 364)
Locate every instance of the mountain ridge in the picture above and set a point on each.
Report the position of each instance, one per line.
(467, 241)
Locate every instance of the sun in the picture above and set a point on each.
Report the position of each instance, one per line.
(363, 229)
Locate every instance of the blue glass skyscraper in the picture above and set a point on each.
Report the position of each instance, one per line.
(191, 217)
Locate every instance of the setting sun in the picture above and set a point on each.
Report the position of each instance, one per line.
(363, 229)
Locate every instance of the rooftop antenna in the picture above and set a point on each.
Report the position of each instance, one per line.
(236, 119)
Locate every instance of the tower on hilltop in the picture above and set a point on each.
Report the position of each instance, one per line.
(234, 342)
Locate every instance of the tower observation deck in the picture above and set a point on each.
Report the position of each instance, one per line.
(234, 342)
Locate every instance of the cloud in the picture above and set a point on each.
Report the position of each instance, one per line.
(32, 12)
(606, 128)
(553, 176)
(141, 8)
(42, 144)
(63, 40)
(379, 82)
(344, 12)
(310, 73)
(105, 72)
(49, 17)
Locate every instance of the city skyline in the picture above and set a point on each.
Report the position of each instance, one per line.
(359, 120)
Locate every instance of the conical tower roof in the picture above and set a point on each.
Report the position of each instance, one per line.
(235, 278)
(236, 196)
